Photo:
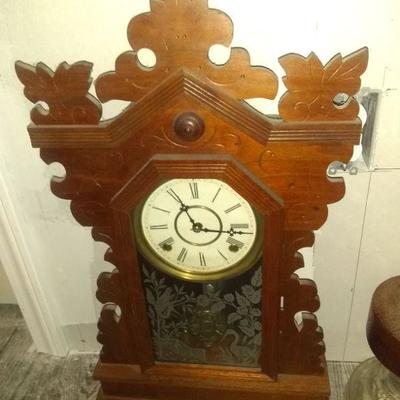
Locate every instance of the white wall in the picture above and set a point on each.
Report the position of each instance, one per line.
(66, 262)
(6, 293)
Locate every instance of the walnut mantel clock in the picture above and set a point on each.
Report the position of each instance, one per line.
(204, 203)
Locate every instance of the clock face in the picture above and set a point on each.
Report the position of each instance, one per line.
(198, 229)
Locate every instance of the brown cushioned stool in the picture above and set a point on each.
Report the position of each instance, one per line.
(379, 378)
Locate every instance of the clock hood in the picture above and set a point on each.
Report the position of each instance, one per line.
(185, 91)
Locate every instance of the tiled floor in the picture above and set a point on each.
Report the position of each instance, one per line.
(28, 375)
(339, 373)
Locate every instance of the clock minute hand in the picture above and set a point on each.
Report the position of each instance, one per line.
(183, 207)
(231, 232)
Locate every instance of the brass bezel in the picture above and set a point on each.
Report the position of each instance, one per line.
(200, 277)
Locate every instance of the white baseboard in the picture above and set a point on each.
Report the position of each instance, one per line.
(81, 338)
(20, 270)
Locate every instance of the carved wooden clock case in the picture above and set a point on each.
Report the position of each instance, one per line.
(204, 203)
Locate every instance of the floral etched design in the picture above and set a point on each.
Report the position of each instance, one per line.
(216, 323)
(165, 304)
(247, 314)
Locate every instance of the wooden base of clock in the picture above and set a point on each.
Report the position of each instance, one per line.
(194, 382)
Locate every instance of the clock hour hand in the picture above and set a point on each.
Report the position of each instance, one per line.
(185, 208)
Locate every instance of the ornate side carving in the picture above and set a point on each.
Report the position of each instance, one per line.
(302, 335)
(109, 288)
(65, 92)
(103, 234)
(301, 342)
(114, 336)
(184, 44)
(88, 211)
(113, 324)
(312, 86)
(87, 182)
(295, 240)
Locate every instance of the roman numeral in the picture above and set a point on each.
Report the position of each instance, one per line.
(216, 195)
(182, 255)
(236, 206)
(172, 193)
(239, 226)
(202, 259)
(156, 227)
(222, 256)
(161, 209)
(167, 242)
(194, 189)
(234, 242)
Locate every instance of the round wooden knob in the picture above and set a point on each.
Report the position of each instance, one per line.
(189, 126)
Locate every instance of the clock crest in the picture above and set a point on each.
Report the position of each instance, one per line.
(229, 285)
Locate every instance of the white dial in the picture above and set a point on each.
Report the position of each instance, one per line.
(198, 227)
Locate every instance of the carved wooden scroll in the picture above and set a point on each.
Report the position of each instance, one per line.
(65, 92)
(188, 32)
(289, 155)
(312, 87)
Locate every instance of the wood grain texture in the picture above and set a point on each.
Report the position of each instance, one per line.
(185, 86)
(195, 381)
(180, 33)
(278, 164)
(312, 87)
(64, 91)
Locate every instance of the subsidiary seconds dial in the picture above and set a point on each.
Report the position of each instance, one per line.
(198, 229)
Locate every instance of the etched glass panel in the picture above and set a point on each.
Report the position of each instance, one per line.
(216, 323)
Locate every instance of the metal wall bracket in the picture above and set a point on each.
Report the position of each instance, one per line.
(369, 99)
(336, 166)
